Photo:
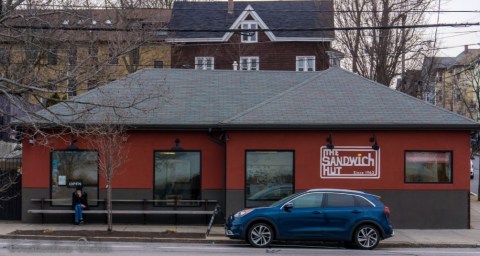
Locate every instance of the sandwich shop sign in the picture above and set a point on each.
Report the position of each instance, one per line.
(349, 163)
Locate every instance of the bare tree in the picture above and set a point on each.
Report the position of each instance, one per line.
(7, 180)
(377, 53)
(56, 50)
(141, 3)
(111, 141)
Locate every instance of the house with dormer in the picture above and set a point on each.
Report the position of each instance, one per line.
(253, 35)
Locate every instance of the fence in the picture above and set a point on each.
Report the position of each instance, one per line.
(10, 189)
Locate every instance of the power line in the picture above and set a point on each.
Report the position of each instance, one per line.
(85, 7)
(242, 30)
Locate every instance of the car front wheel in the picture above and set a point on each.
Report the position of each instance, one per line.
(260, 235)
(366, 237)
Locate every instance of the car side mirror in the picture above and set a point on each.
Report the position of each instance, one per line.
(288, 206)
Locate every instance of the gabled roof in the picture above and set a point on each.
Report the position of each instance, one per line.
(190, 99)
(212, 20)
(467, 58)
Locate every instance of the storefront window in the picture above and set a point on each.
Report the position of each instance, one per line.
(177, 176)
(71, 169)
(269, 177)
(428, 167)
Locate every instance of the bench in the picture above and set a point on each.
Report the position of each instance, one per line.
(171, 203)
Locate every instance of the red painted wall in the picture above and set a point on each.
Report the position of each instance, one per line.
(393, 145)
(137, 172)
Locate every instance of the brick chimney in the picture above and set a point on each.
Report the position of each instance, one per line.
(230, 6)
(466, 48)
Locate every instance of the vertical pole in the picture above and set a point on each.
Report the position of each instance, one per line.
(404, 17)
(478, 189)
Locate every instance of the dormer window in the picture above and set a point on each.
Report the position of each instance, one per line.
(249, 36)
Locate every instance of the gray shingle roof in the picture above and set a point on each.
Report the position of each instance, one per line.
(334, 98)
(275, 14)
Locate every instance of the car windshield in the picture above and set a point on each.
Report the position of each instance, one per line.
(284, 200)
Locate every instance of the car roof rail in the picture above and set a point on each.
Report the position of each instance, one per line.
(336, 189)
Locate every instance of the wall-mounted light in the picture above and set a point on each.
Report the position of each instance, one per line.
(330, 142)
(375, 145)
(224, 137)
(73, 143)
(31, 140)
(177, 147)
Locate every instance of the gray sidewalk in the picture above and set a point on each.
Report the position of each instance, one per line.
(402, 238)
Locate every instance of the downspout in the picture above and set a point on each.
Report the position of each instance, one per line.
(222, 142)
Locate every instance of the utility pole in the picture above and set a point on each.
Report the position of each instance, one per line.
(404, 17)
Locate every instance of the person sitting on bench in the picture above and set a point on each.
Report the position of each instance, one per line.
(79, 203)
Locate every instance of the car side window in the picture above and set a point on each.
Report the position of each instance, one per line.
(340, 200)
(362, 202)
(312, 200)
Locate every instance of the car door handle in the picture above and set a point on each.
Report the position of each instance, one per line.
(356, 211)
(316, 212)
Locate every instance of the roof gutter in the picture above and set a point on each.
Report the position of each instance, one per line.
(280, 127)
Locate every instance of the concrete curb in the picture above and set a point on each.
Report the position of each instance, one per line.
(221, 240)
(124, 239)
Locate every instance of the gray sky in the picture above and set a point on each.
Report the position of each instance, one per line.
(455, 38)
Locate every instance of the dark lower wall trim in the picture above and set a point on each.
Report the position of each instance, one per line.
(427, 209)
(410, 209)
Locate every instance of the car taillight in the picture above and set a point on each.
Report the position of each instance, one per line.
(386, 210)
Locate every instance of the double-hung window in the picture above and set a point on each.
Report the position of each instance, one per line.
(52, 56)
(249, 63)
(4, 56)
(305, 63)
(249, 36)
(204, 63)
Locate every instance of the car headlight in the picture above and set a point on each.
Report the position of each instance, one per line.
(242, 213)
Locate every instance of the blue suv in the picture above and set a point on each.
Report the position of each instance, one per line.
(354, 217)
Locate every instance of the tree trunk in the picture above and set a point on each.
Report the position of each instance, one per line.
(109, 206)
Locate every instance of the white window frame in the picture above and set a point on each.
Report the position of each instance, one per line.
(249, 37)
(301, 63)
(247, 66)
(201, 63)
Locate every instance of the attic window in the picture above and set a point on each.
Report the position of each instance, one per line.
(108, 22)
(249, 36)
(65, 22)
(94, 22)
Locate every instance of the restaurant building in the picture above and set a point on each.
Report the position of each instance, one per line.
(246, 139)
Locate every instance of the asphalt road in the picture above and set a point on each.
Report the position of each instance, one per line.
(38, 247)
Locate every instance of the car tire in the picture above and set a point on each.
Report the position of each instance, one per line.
(366, 237)
(260, 235)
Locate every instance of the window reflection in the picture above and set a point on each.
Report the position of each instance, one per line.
(269, 177)
(428, 167)
(71, 169)
(177, 176)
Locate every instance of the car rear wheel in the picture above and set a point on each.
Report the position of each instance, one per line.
(260, 235)
(366, 237)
